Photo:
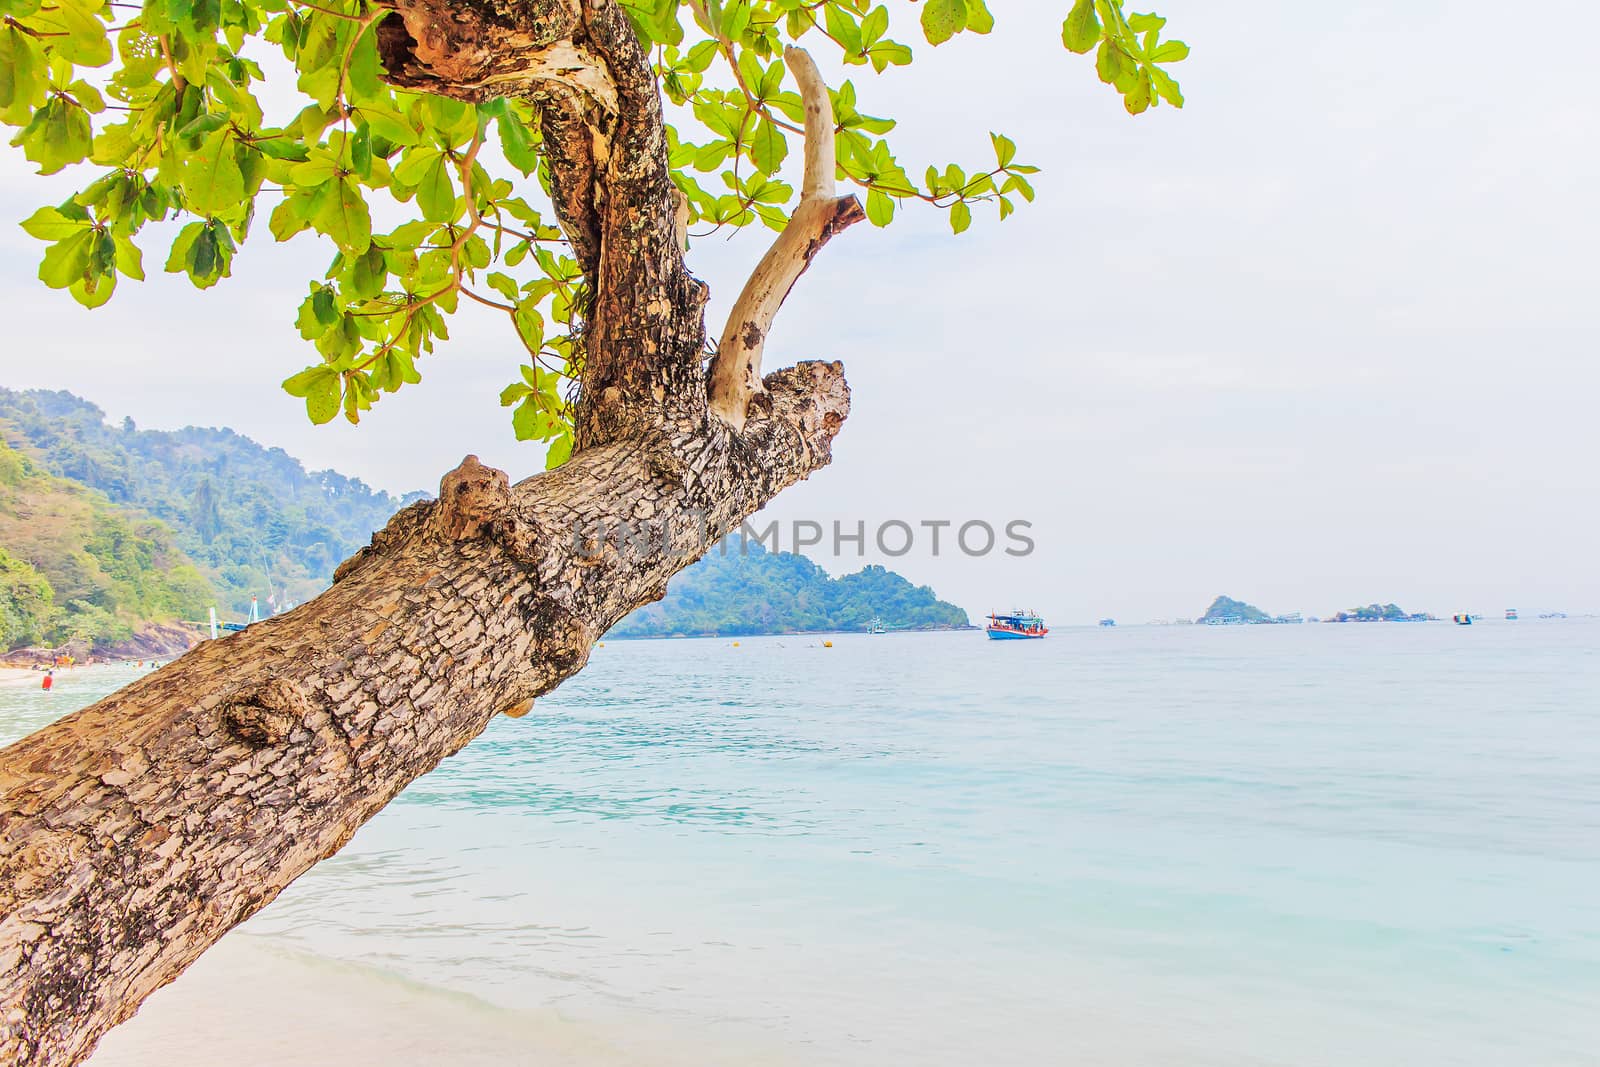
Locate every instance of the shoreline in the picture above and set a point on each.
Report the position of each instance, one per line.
(12, 676)
(233, 1002)
(788, 633)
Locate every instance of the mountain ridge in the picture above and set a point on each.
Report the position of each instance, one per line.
(251, 517)
(740, 589)
(218, 517)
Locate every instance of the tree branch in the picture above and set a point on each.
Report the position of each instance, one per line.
(605, 145)
(136, 832)
(735, 378)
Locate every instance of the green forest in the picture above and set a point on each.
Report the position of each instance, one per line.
(740, 588)
(251, 519)
(106, 528)
(75, 568)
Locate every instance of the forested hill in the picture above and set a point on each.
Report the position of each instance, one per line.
(735, 593)
(251, 518)
(105, 529)
(77, 571)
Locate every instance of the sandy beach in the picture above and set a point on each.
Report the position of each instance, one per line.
(252, 1003)
(19, 676)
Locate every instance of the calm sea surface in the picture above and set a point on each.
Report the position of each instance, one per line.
(1319, 844)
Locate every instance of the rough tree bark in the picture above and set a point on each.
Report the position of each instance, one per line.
(136, 832)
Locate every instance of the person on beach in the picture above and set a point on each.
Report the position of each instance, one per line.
(49, 680)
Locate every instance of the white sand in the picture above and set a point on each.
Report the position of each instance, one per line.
(20, 676)
(249, 1003)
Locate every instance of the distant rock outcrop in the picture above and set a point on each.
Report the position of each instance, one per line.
(1226, 609)
(1380, 613)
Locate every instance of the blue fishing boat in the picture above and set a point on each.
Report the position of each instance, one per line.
(1017, 626)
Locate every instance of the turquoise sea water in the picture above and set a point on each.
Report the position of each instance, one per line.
(1261, 845)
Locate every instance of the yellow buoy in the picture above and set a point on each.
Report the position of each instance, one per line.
(827, 644)
(736, 644)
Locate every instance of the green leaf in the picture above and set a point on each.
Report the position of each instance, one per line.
(194, 131)
(436, 196)
(887, 53)
(59, 134)
(505, 285)
(880, 208)
(1145, 23)
(319, 387)
(525, 419)
(960, 216)
(1137, 99)
(875, 25)
(387, 122)
(942, 19)
(517, 143)
(318, 312)
(203, 251)
(300, 384)
(709, 157)
(343, 216)
(295, 212)
(1165, 86)
(846, 30)
(130, 260)
(52, 224)
(1004, 149)
(23, 75)
(212, 181)
(1170, 52)
(768, 147)
(530, 323)
(67, 261)
(85, 42)
(979, 20)
(319, 169)
(367, 274)
(361, 76)
(93, 290)
(1082, 27)
(1110, 63)
(560, 449)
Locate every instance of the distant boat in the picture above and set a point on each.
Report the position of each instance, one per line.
(1462, 619)
(876, 626)
(1018, 625)
(1511, 614)
(1108, 622)
(218, 627)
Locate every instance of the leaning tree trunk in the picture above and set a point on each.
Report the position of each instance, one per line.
(137, 831)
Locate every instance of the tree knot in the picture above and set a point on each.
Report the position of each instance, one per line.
(265, 714)
(472, 498)
(663, 462)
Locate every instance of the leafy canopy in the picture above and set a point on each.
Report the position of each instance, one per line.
(162, 102)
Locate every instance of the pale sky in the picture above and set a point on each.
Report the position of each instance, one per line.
(1324, 337)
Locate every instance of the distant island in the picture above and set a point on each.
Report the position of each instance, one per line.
(740, 590)
(1225, 611)
(1380, 613)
